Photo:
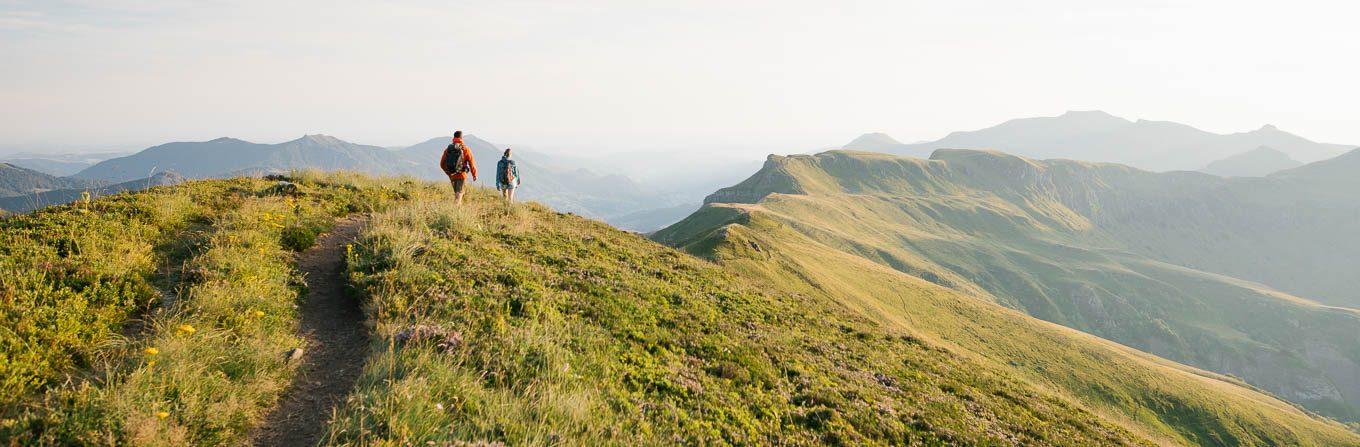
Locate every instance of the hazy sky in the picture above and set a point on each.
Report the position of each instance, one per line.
(743, 77)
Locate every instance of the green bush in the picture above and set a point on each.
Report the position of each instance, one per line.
(297, 238)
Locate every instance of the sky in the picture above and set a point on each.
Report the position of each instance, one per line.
(720, 78)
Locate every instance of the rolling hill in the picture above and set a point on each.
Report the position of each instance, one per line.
(33, 201)
(1099, 136)
(1139, 258)
(1257, 162)
(18, 181)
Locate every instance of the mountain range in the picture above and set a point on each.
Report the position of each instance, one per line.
(60, 165)
(1251, 277)
(568, 188)
(229, 156)
(1099, 136)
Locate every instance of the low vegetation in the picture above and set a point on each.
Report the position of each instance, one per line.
(159, 318)
(165, 318)
(1172, 404)
(1076, 243)
(528, 327)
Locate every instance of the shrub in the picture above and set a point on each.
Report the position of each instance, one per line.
(297, 238)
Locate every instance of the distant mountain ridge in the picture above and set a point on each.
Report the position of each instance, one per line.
(30, 202)
(1258, 162)
(226, 155)
(1172, 263)
(600, 195)
(1102, 137)
(15, 181)
(60, 165)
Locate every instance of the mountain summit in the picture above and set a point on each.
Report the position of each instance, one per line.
(1254, 163)
(874, 142)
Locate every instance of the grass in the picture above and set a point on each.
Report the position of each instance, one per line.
(527, 327)
(1158, 399)
(162, 318)
(1052, 240)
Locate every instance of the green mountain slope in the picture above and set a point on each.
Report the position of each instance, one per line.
(1068, 242)
(174, 307)
(531, 327)
(160, 317)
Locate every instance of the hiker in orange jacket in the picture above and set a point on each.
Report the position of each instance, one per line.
(457, 164)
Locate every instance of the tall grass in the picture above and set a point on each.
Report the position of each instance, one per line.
(206, 359)
(70, 276)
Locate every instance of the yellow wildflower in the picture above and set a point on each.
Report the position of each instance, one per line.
(162, 414)
(151, 363)
(151, 351)
(186, 329)
(259, 313)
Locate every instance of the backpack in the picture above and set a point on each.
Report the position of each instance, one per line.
(457, 163)
(508, 172)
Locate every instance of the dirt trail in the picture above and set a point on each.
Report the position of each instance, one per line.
(337, 345)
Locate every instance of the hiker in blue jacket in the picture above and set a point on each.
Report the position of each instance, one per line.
(507, 177)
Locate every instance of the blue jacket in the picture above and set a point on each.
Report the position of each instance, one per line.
(500, 172)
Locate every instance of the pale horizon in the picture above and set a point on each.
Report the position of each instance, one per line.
(610, 77)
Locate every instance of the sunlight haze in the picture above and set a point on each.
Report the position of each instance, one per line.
(736, 78)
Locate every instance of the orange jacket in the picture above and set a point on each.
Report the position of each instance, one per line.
(467, 154)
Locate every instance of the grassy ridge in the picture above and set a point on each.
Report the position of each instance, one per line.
(162, 318)
(529, 327)
(1046, 238)
(205, 361)
(1162, 400)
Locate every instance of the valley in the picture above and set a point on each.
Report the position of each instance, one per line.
(1102, 248)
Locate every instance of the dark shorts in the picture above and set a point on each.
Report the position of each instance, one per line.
(458, 184)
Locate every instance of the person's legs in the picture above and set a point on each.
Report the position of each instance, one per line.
(458, 187)
(510, 195)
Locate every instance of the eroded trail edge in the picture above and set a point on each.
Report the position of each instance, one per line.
(332, 322)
